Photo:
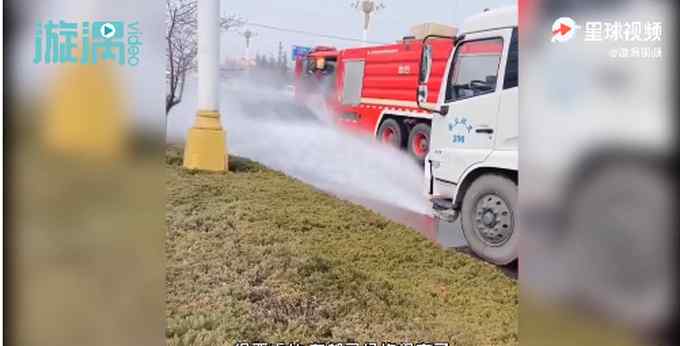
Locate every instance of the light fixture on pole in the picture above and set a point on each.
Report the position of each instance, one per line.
(367, 7)
(248, 36)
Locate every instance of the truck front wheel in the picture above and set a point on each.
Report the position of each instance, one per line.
(489, 218)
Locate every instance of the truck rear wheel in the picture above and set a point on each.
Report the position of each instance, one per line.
(489, 218)
(419, 141)
(392, 132)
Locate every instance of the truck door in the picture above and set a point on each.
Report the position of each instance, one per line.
(466, 135)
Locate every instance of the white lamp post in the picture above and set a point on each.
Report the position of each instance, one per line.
(206, 144)
(367, 7)
(248, 35)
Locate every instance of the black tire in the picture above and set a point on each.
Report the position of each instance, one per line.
(392, 132)
(489, 218)
(419, 142)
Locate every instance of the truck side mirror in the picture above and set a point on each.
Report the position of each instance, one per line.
(425, 64)
(424, 76)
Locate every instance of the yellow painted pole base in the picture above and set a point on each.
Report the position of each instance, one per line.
(206, 148)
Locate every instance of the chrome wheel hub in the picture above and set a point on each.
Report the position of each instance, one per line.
(493, 220)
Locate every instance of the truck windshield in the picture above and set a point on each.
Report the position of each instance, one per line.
(475, 69)
(322, 80)
(310, 67)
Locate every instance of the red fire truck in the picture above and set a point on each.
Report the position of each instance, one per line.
(373, 89)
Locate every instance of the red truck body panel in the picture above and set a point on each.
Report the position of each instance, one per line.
(390, 82)
(391, 71)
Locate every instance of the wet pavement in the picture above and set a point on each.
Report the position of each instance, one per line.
(448, 235)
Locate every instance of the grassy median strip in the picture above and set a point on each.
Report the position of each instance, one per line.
(253, 255)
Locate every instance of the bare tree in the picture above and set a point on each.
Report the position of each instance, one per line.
(182, 45)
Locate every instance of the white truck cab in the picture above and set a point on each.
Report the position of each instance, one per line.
(471, 170)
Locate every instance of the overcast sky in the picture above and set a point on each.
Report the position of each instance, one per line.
(337, 17)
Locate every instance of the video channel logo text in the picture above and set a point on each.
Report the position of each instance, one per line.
(87, 42)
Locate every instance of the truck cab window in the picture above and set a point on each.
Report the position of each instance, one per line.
(512, 66)
(328, 78)
(475, 69)
(319, 79)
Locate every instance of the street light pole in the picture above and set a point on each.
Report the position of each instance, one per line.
(367, 7)
(367, 19)
(206, 142)
(248, 35)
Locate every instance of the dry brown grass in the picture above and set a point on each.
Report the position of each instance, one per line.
(253, 255)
